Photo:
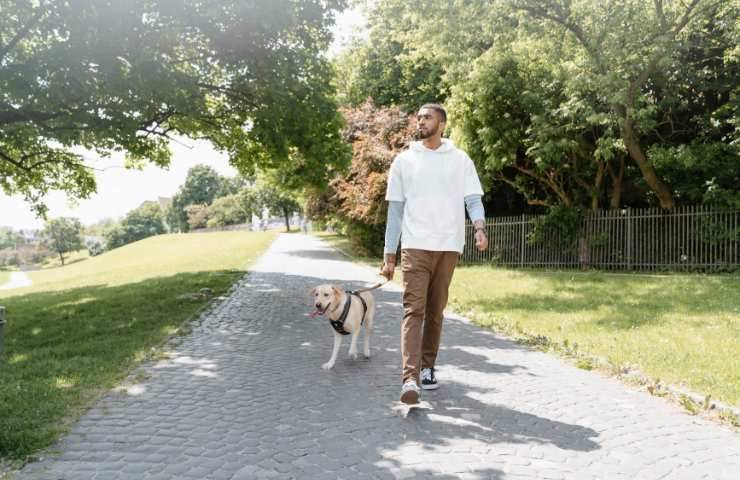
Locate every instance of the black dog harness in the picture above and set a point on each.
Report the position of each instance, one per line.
(338, 324)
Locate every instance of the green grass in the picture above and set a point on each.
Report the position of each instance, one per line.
(4, 276)
(681, 329)
(69, 258)
(79, 329)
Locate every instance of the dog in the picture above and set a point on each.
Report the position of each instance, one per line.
(331, 301)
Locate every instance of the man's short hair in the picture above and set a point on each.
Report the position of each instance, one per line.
(437, 108)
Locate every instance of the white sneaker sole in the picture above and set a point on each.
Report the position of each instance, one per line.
(430, 387)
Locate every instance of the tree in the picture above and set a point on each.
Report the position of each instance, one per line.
(9, 238)
(198, 215)
(63, 235)
(201, 186)
(229, 210)
(270, 193)
(527, 126)
(625, 44)
(142, 222)
(581, 103)
(357, 198)
(125, 76)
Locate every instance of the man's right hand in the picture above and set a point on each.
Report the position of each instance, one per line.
(389, 267)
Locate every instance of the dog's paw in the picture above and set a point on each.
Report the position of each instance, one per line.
(353, 355)
(327, 366)
(366, 355)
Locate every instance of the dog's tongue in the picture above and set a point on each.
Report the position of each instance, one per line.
(314, 313)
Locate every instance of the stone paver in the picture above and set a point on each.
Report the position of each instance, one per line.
(244, 397)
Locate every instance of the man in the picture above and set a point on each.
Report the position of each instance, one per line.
(429, 187)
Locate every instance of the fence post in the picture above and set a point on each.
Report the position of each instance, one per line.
(521, 256)
(629, 238)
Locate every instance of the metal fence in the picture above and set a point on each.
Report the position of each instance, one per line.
(688, 238)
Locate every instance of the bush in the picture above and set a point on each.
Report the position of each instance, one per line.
(559, 228)
(356, 199)
(94, 248)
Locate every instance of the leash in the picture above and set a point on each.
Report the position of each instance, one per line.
(374, 287)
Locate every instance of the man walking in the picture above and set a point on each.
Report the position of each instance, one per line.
(429, 187)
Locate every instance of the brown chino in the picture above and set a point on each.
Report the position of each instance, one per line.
(426, 279)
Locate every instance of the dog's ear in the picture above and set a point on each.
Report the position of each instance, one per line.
(312, 291)
(337, 291)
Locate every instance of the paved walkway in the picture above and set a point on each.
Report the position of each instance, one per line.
(244, 397)
(17, 280)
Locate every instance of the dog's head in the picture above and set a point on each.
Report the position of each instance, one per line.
(325, 297)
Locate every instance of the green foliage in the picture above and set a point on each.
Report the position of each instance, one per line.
(202, 185)
(582, 104)
(10, 238)
(703, 173)
(138, 224)
(229, 210)
(63, 235)
(124, 76)
(198, 215)
(561, 223)
(413, 55)
(271, 194)
(384, 74)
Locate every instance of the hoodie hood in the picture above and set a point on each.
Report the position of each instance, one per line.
(447, 146)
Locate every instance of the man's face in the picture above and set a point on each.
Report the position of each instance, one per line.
(428, 123)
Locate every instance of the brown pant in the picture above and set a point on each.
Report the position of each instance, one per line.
(426, 280)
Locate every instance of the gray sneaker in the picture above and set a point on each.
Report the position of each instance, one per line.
(410, 393)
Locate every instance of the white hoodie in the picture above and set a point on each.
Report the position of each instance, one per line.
(433, 184)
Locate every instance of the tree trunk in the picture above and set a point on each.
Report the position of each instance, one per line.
(287, 220)
(615, 200)
(665, 197)
(595, 193)
(61, 257)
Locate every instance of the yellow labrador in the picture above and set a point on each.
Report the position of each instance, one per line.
(348, 313)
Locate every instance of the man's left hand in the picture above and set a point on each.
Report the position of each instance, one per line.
(481, 241)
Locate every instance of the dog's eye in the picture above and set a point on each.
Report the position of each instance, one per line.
(326, 294)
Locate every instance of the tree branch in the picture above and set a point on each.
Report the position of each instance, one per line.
(8, 117)
(540, 11)
(13, 161)
(530, 201)
(22, 32)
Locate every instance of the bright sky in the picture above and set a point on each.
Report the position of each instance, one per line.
(121, 190)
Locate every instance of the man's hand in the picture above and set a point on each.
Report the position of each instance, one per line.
(389, 267)
(481, 240)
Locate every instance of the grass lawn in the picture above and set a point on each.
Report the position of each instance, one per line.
(79, 329)
(682, 329)
(4, 276)
(69, 259)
